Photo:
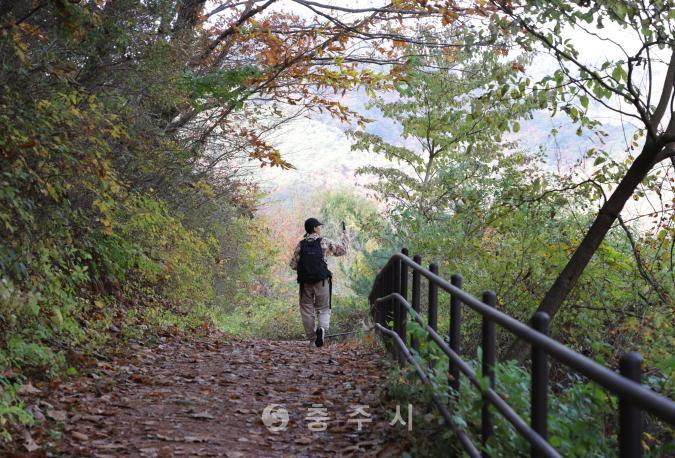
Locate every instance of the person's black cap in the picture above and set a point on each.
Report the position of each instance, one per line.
(310, 224)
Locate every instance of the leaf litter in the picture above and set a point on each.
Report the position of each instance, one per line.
(207, 397)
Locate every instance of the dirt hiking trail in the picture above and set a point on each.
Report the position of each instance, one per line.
(207, 398)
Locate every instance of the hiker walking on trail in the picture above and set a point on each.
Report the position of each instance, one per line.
(309, 260)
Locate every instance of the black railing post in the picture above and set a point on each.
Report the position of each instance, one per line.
(383, 292)
(391, 303)
(455, 332)
(433, 299)
(380, 293)
(404, 292)
(488, 367)
(388, 290)
(398, 307)
(416, 294)
(630, 416)
(396, 279)
(433, 305)
(376, 294)
(539, 394)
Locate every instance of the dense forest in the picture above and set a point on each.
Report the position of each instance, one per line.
(131, 132)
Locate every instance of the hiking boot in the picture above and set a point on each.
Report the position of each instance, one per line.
(320, 333)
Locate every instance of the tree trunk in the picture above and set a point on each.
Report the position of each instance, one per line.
(611, 209)
(607, 215)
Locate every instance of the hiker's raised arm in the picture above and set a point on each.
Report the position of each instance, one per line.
(338, 248)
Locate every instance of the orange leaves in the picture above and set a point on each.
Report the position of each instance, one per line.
(29, 144)
(270, 57)
(274, 159)
(501, 51)
(32, 30)
(400, 44)
(517, 67)
(299, 56)
(449, 17)
(507, 5)
(262, 151)
(481, 9)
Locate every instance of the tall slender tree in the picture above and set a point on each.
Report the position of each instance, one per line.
(635, 81)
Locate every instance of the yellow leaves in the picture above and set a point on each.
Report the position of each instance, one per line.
(33, 31)
(43, 104)
(627, 325)
(106, 223)
(270, 57)
(449, 55)
(114, 186)
(206, 189)
(106, 208)
(117, 132)
(50, 191)
(20, 47)
(18, 41)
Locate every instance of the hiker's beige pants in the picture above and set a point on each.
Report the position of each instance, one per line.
(314, 300)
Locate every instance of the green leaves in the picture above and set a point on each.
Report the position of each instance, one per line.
(223, 85)
(618, 73)
(457, 118)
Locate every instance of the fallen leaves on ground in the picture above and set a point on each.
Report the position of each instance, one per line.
(207, 398)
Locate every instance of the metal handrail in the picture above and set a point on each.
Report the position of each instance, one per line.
(466, 442)
(656, 404)
(390, 292)
(501, 405)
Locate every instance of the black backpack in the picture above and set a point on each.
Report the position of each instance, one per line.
(311, 265)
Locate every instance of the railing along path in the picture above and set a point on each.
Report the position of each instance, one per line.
(389, 301)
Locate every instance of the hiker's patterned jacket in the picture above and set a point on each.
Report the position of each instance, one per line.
(329, 247)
